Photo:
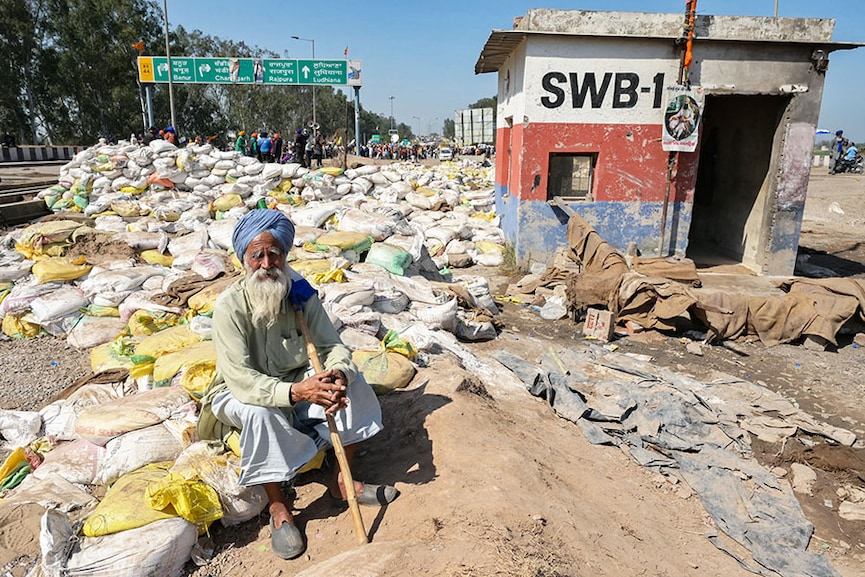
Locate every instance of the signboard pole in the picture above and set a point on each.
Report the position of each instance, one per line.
(356, 120)
(168, 55)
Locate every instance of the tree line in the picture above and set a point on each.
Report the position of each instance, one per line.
(69, 76)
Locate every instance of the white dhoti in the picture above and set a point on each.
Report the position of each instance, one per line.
(276, 442)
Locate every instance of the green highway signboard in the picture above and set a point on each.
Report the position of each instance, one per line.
(323, 71)
(249, 71)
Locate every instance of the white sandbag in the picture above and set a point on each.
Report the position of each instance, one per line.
(159, 549)
(209, 264)
(64, 301)
(112, 286)
(442, 316)
(402, 188)
(377, 226)
(238, 188)
(314, 215)
(141, 300)
(135, 449)
(390, 302)
(76, 461)
(367, 169)
(22, 295)
(358, 340)
(492, 258)
(142, 240)
(349, 294)
(362, 185)
(357, 317)
(419, 201)
(163, 163)
(58, 420)
(227, 155)
(379, 178)
(343, 189)
(271, 171)
(15, 270)
(213, 180)
(194, 241)
(289, 170)
(220, 231)
(94, 331)
(19, 428)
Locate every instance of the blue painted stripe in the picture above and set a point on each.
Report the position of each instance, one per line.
(538, 230)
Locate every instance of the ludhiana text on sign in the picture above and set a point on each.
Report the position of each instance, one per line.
(194, 70)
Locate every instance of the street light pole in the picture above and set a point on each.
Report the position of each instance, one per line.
(420, 127)
(391, 111)
(311, 41)
(168, 58)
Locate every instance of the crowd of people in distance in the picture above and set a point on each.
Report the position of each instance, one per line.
(309, 150)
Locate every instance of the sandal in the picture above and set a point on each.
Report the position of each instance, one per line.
(286, 542)
(373, 495)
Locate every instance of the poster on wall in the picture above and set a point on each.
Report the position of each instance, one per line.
(682, 118)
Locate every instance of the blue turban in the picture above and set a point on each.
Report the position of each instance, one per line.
(258, 221)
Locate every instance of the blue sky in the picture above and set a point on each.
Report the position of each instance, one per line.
(423, 52)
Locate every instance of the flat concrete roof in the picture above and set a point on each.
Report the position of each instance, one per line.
(587, 23)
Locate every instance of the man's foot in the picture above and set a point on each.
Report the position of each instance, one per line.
(370, 495)
(286, 540)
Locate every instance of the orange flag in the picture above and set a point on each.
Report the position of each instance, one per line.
(139, 46)
(346, 51)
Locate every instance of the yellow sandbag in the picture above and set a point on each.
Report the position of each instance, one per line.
(202, 302)
(486, 246)
(487, 216)
(15, 327)
(46, 238)
(144, 323)
(331, 170)
(128, 208)
(100, 311)
(103, 358)
(425, 191)
(345, 240)
(167, 341)
(132, 189)
(62, 269)
(155, 257)
(194, 500)
(170, 364)
(384, 370)
(125, 505)
(196, 378)
(312, 266)
(12, 462)
(226, 202)
(335, 275)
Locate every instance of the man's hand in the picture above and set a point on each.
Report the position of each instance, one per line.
(326, 389)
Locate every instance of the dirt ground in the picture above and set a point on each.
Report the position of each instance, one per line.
(493, 483)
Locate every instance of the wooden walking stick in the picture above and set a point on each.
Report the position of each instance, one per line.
(334, 435)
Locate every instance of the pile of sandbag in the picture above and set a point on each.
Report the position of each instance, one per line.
(146, 190)
(377, 243)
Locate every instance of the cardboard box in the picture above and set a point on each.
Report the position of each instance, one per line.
(599, 324)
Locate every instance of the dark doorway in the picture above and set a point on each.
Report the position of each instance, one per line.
(732, 200)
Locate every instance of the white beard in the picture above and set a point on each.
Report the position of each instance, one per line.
(266, 289)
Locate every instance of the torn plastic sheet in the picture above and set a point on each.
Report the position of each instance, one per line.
(670, 421)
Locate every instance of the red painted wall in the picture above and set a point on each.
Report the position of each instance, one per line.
(631, 165)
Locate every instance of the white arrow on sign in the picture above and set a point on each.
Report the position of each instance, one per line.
(163, 67)
(305, 70)
(204, 68)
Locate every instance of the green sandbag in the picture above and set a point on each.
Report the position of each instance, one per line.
(389, 257)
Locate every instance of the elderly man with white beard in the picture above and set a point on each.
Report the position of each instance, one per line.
(264, 386)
